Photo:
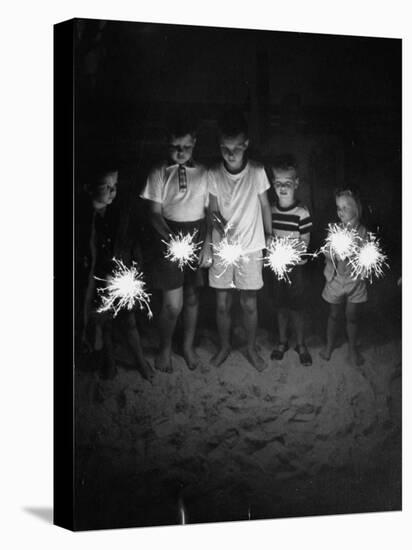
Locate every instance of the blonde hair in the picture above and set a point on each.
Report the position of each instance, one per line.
(354, 195)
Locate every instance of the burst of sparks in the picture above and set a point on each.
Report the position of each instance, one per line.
(182, 249)
(283, 254)
(369, 260)
(229, 252)
(124, 289)
(341, 241)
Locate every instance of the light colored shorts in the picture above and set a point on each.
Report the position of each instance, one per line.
(247, 275)
(341, 288)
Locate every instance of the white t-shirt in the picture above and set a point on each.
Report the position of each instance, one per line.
(178, 205)
(238, 202)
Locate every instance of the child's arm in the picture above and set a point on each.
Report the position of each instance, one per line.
(158, 221)
(305, 238)
(205, 256)
(216, 219)
(266, 215)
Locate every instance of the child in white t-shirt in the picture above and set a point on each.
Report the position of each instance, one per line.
(240, 209)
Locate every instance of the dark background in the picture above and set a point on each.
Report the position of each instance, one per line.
(332, 101)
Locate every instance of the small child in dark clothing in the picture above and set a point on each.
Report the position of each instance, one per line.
(290, 219)
(96, 243)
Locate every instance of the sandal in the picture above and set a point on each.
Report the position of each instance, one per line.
(279, 351)
(304, 355)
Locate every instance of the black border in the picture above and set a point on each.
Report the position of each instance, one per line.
(63, 264)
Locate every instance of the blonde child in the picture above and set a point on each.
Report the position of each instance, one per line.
(342, 290)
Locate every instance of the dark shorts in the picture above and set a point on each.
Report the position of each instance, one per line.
(291, 295)
(167, 275)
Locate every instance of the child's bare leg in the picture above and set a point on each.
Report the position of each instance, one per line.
(250, 319)
(299, 326)
(298, 320)
(352, 331)
(223, 321)
(190, 313)
(109, 366)
(133, 339)
(331, 331)
(171, 308)
(283, 321)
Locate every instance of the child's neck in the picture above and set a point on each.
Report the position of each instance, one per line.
(99, 208)
(286, 203)
(238, 170)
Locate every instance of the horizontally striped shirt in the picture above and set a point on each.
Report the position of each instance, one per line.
(292, 221)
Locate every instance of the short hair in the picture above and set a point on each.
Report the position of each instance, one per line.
(284, 163)
(97, 169)
(351, 191)
(232, 123)
(179, 126)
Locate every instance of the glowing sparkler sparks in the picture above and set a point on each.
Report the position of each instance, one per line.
(124, 289)
(182, 249)
(368, 260)
(341, 241)
(284, 254)
(229, 252)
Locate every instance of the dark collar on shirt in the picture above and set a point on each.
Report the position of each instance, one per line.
(245, 161)
(287, 208)
(189, 164)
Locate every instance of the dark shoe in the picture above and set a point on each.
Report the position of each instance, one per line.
(279, 351)
(304, 355)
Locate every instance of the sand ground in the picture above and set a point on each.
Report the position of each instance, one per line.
(232, 443)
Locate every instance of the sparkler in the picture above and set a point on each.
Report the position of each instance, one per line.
(341, 241)
(124, 289)
(182, 249)
(284, 254)
(229, 252)
(369, 260)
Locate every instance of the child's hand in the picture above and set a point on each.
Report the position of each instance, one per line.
(269, 240)
(205, 256)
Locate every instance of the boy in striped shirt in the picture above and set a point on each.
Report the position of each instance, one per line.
(290, 219)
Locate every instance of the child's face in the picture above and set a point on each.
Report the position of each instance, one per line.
(105, 192)
(347, 209)
(285, 183)
(233, 150)
(181, 148)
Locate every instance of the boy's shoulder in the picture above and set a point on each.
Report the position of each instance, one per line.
(215, 167)
(302, 209)
(255, 165)
(158, 168)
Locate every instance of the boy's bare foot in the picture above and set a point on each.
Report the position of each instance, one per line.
(145, 370)
(192, 359)
(220, 357)
(355, 358)
(305, 357)
(325, 354)
(163, 362)
(255, 359)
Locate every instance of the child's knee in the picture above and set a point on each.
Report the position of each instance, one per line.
(223, 304)
(334, 313)
(191, 297)
(351, 317)
(248, 303)
(172, 309)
